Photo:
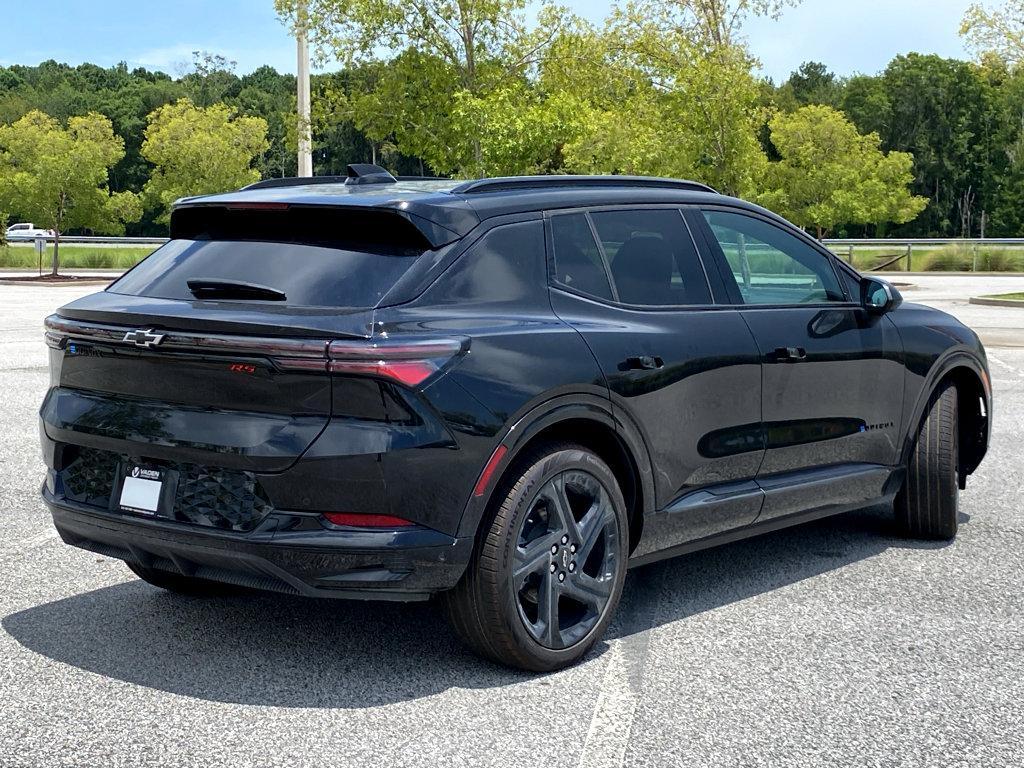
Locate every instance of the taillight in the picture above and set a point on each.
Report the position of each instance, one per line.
(367, 520)
(409, 361)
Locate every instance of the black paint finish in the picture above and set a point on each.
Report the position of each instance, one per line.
(721, 419)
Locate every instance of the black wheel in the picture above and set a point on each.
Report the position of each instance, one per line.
(926, 507)
(179, 583)
(550, 561)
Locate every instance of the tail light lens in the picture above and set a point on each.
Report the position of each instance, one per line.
(409, 362)
(367, 520)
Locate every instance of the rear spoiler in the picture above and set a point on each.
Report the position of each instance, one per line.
(282, 222)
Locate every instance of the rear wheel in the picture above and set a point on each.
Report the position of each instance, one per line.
(926, 507)
(179, 583)
(547, 572)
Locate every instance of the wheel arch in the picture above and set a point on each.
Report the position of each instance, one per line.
(589, 422)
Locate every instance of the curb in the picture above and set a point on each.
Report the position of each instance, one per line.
(944, 273)
(996, 302)
(85, 281)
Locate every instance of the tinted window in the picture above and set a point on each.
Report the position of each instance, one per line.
(578, 262)
(652, 257)
(506, 266)
(310, 276)
(770, 265)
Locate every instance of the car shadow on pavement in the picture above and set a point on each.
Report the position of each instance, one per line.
(281, 651)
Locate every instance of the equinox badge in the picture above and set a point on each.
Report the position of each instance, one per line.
(143, 338)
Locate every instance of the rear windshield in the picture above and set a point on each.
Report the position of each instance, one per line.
(309, 275)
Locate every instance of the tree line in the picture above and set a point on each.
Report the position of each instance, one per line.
(930, 146)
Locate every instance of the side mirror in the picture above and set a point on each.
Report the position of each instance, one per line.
(879, 296)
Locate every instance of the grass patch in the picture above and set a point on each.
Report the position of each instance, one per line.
(1018, 296)
(75, 257)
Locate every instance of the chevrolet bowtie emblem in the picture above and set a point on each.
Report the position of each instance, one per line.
(143, 338)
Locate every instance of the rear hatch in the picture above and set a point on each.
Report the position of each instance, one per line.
(214, 349)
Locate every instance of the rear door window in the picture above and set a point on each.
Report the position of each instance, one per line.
(653, 259)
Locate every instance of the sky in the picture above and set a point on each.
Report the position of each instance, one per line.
(850, 36)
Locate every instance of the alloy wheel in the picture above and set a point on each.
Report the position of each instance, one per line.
(565, 559)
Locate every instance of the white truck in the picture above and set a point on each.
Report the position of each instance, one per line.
(27, 231)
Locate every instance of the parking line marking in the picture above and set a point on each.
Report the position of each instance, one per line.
(612, 722)
(611, 725)
(28, 543)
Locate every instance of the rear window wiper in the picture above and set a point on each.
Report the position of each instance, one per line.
(217, 288)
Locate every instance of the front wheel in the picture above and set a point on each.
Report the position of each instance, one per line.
(926, 507)
(548, 569)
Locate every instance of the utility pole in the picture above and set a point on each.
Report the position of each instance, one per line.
(305, 139)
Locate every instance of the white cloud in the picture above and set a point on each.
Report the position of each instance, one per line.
(169, 59)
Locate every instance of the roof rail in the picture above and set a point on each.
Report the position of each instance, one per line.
(508, 183)
(294, 181)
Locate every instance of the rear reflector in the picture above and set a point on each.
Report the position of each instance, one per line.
(492, 465)
(410, 362)
(367, 520)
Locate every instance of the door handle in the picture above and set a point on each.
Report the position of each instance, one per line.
(790, 354)
(644, 362)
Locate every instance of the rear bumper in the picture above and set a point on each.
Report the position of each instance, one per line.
(288, 553)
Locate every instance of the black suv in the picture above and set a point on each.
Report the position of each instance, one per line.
(501, 392)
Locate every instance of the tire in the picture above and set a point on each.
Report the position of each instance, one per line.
(179, 583)
(577, 568)
(926, 506)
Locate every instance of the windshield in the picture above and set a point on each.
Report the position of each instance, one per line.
(308, 275)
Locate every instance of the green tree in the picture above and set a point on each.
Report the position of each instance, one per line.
(997, 30)
(830, 174)
(867, 102)
(212, 79)
(944, 113)
(267, 94)
(451, 58)
(57, 177)
(812, 83)
(199, 151)
(718, 22)
(662, 95)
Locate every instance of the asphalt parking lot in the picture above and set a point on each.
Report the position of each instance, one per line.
(830, 643)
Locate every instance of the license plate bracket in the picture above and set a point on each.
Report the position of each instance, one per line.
(145, 489)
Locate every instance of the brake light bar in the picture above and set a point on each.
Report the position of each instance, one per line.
(256, 206)
(409, 362)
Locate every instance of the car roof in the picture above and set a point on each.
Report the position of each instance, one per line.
(446, 209)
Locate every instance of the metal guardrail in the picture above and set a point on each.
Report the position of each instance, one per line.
(90, 240)
(843, 248)
(875, 242)
(903, 248)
